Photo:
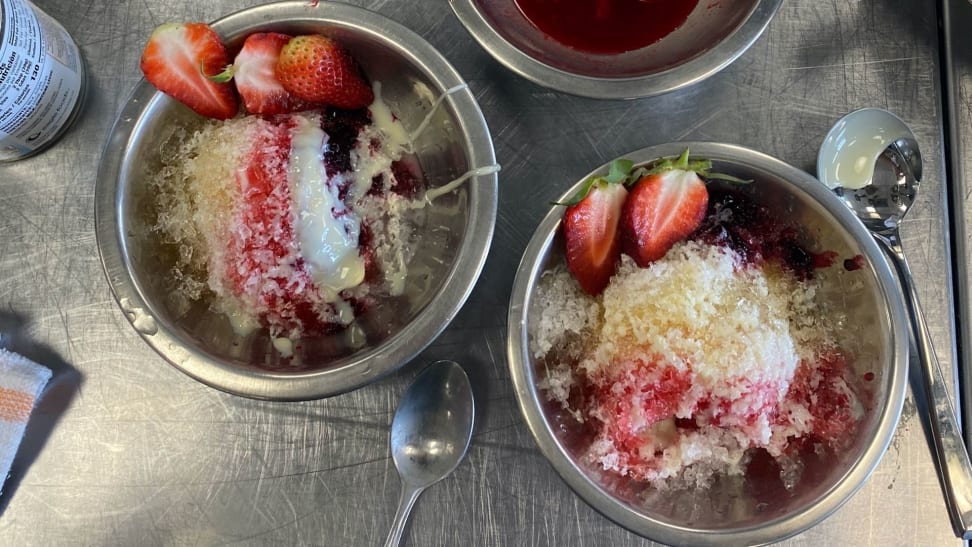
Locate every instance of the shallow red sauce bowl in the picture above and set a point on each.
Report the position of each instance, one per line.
(557, 52)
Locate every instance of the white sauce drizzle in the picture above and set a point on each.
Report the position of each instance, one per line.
(435, 106)
(446, 188)
(398, 138)
(386, 129)
(455, 183)
(243, 323)
(327, 230)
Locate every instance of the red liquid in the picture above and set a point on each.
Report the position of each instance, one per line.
(607, 26)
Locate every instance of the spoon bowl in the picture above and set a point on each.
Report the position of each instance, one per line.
(430, 433)
(852, 149)
(890, 192)
(853, 145)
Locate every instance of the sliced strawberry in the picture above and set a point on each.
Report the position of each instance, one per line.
(592, 236)
(662, 209)
(666, 204)
(176, 60)
(319, 69)
(253, 72)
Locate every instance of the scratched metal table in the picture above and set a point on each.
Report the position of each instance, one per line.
(125, 450)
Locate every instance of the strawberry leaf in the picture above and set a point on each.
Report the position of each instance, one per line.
(581, 194)
(682, 161)
(725, 177)
(619, 171)
(700, 167)
(622, 171)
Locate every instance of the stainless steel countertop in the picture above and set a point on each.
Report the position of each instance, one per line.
(125, 450)
(957, 93)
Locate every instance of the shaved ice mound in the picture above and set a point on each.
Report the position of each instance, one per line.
(689, 368)
(294, 223)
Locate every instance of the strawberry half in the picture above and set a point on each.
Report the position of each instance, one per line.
(665, 206)
(253, 72)
(319, 69)
(590, 223)
(176, 60)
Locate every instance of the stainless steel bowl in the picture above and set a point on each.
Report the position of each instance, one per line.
(874, 335)
(715, 34)
(456, 229)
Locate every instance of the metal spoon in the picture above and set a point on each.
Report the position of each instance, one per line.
(430, 434)
(859, 140)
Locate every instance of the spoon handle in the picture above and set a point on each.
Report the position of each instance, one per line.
(950, 452)
(410, 494)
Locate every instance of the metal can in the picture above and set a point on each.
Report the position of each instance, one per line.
(42, 80)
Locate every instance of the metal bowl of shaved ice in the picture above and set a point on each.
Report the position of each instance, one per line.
(447, 240)
(761, 501)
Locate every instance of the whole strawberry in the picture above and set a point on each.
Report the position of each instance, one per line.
(318, 69)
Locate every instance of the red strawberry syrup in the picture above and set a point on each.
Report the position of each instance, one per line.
(266, 267)
(268, 239)
(654, 397)
(606, 26)
(823, 389)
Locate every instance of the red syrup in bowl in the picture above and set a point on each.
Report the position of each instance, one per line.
(606, 26)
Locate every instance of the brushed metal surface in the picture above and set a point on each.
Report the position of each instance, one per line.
(126, 450)
(956, 18)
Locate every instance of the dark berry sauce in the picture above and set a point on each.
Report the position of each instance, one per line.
(342, 128)
(736, 221)
(606, 26)
(854, 263)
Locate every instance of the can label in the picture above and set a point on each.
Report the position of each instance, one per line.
(40, 79)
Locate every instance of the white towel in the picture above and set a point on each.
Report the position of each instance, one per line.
(21, 382)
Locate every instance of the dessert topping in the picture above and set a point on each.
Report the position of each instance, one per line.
(319, 69)
(591, 228)
(253, 72)
(176, 60)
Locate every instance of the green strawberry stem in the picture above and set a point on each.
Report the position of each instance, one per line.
(622, 171)
(220, 78)
(680, 163)
(619, 172)
(699, 167)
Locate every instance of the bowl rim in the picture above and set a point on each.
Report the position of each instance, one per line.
(777, 529)
(359, 368)
(695, 70)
